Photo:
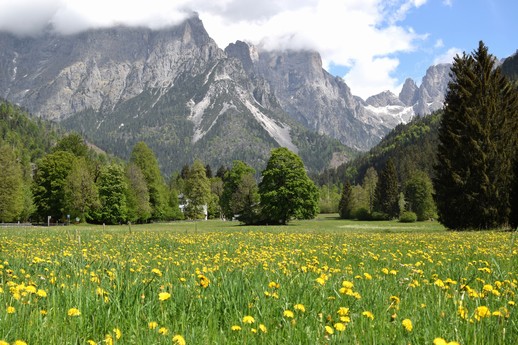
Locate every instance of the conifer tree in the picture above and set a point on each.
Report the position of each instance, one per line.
(387, 191)
(477, 139)
(345, 204)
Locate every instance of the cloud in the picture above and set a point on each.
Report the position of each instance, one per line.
(362, 35)
(447, 57)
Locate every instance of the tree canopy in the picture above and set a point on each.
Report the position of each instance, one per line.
(286, 190)
(477, 142)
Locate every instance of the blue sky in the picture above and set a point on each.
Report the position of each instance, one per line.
(373, 44)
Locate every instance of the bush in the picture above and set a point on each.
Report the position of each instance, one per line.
(379, 216)
(408, 217)
(362, 214)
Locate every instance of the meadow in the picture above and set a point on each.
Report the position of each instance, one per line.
(324, 281)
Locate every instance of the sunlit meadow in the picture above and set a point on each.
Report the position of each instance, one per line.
(214, 283)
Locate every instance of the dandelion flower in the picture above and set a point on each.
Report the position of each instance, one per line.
(178, 340)
(299, 307)
(274, 285)
(89, 342)
(439, 341)
(340, 327)
(329, 330)
(164, 296)
(343, 311)
(407, 324)
(320, 281)
(367, 276)
(152, 325)
(73, 312)
(262, 328)
(156, 272)
(3, 342)
(41, 293)
(163, 331)
(235, 328)
(118, 333)
(11, 310)
(368, 315)
(19, 342)
(481, 312)
(288, 314)
(204, 281)
(248, 319)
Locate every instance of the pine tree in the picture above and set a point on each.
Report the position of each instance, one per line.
(477, 139)
(387, 191)
(345, 204)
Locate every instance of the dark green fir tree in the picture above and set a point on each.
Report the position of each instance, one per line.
(386, 194)
(345, 204)
(477, 140)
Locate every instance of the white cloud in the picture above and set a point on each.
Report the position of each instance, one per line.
(447, 57)
(439, 43)
(363, 35)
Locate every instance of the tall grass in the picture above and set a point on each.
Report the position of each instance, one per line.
(217, 273)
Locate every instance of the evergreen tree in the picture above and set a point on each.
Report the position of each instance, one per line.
(513, 219)
(11, 185)
(344, 207)
(370, 180)
(387, 191)
(477, 140)
(286, 191)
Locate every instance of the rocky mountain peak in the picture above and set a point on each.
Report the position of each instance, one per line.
(383, 99)
(408, 94)
(433, 89)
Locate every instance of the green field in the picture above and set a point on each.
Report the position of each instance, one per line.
(325, 281)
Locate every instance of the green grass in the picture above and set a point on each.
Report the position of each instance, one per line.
(114, 276)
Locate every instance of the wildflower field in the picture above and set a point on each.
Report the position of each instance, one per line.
(313, 283)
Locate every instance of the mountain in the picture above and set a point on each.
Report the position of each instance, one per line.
(186, 98)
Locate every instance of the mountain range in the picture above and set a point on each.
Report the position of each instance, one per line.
(186, 98)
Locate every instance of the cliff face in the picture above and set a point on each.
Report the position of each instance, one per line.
(176, 90)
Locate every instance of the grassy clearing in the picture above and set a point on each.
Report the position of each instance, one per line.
(324, 281)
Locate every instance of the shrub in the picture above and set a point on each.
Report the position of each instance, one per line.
(379, 216)
(362, 214)
(408, 217)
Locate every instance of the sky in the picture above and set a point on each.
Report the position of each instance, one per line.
(373, 44)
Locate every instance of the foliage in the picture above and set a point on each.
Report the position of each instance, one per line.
(477, 143)
(139, 207)
(231, 204)
(81, 194)
(245, 200)
(143, 157)
(387, 191)
(11, 185)
(112, 195)
(197, 191)
(49, 184)
(329, 198)
(286, 191)
(419, 196)
(370, 181)
(73, 143)
(408, 217)
(345, 205)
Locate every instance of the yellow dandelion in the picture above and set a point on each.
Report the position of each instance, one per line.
(164, 296)
(3, 342)
(288, 314)
(235, 328)
(407, 324)
(343, 311)
(262, 328)
(91, 342)
(367, 276)
(274, 285)
(108, 339)
(368, 315)
(11, 310)
(482, 312)
(118, 333)
(41, 293)
(156, 272)
(73, 312)
(320, 281)
(31, 289)
(340, 327)
(299, 307)
(204, 281)
(19, 342)
(178, 340)
(329, 330)
(440, 341)
(163, 331)
(152, 325)
(347, 284)
(248, 319)
(43, 312)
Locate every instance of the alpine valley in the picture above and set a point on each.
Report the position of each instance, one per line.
(176, 90)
